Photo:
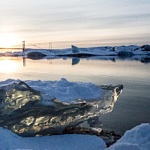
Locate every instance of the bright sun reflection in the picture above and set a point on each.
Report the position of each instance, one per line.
(8, 40)
(7, 66)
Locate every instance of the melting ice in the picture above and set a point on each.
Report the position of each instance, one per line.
(31, 108)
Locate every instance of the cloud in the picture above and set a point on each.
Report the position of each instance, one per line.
(90, 18)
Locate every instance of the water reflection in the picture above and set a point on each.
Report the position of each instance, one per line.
(142, 59)
(24, 61)
(22, 110)
(76, 60)
(8, 66)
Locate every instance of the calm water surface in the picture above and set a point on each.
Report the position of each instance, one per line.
(132, 107)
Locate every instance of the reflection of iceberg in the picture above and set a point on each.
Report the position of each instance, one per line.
(75, 60)
(28, 112)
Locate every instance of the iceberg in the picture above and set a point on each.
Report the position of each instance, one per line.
(137, 138)
(130, 52)
(35, 108)
(75, 51)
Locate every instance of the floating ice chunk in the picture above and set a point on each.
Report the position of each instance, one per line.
(137, 138)
(33, 108)
(75, 49)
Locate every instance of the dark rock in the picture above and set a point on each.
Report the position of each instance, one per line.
(145, 47)
(124, 54)
(35, 55)
(110, 137)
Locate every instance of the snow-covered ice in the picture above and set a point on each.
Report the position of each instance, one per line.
(62, 90)
(10, 141)
(94, 51)
(75, 51)
(137, 138)
(67, 91)
(131, 52)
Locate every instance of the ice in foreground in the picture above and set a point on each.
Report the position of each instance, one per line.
(10, 141)
(137, 138)
(38, 107)
(34, 108)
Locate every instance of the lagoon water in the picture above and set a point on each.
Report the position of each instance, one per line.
(133, 105)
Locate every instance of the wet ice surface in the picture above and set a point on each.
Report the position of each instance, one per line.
(33, 108)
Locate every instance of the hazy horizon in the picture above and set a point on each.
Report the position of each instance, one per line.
(85, 23)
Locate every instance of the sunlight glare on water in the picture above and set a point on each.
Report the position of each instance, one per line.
(8, 66)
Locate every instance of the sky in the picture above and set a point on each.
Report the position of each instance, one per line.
(80, 22)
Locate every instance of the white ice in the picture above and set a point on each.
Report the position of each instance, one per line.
(62, 90)
(137, 138)
(98, 51)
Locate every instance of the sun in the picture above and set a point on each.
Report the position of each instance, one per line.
(8, 40)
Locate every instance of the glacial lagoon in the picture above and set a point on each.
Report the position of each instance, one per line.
(131, 108)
